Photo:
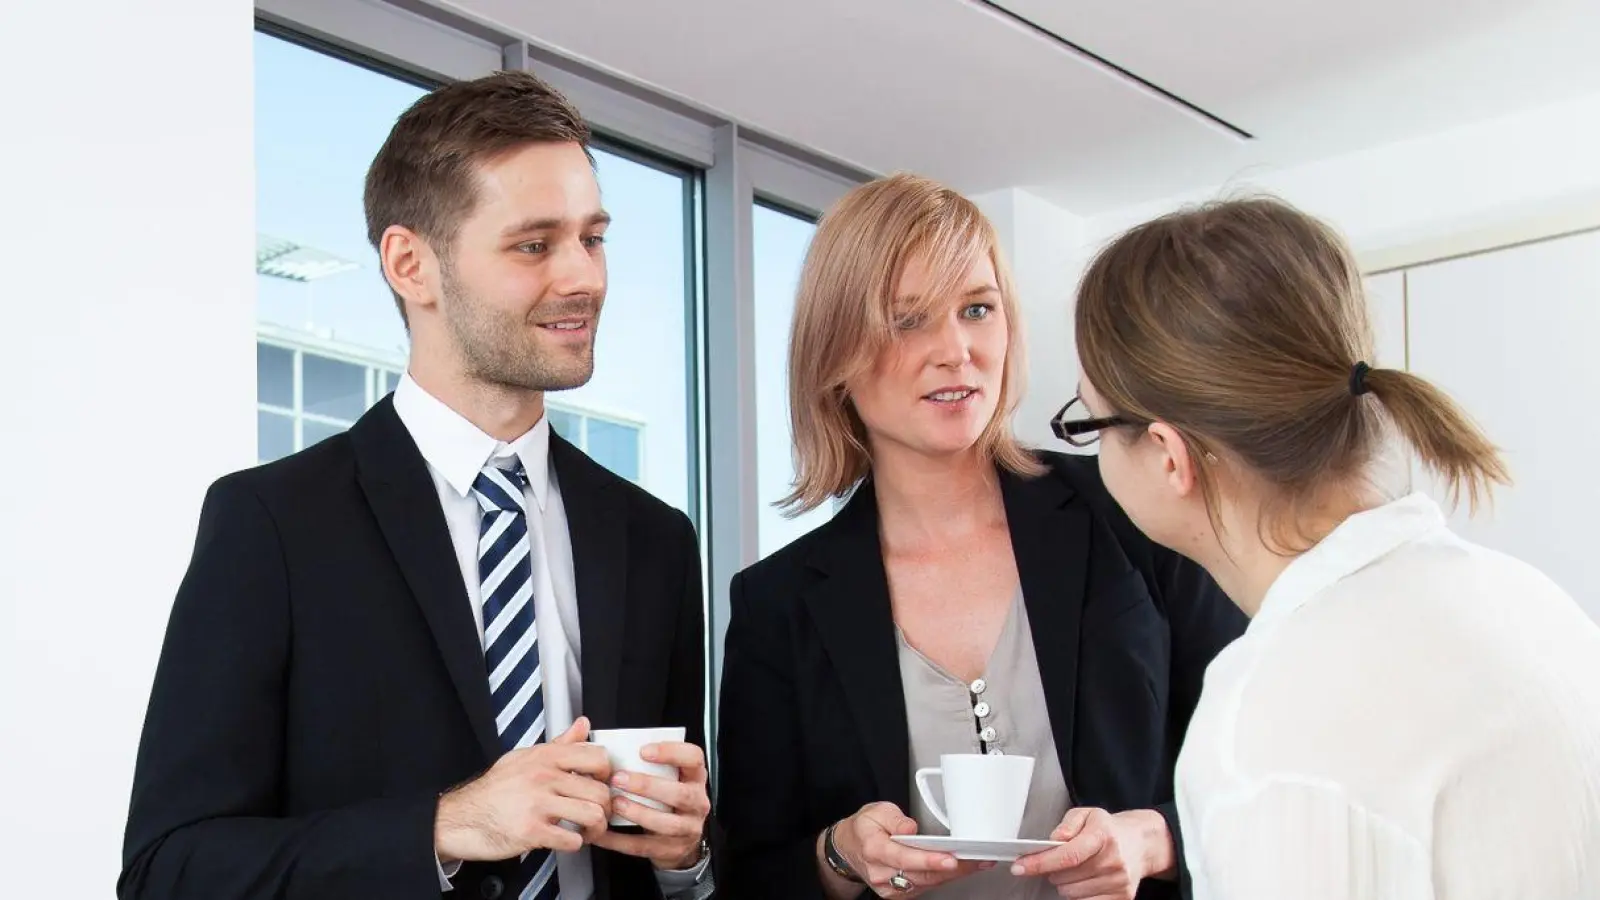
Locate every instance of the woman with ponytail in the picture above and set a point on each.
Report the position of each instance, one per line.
(1408, 715)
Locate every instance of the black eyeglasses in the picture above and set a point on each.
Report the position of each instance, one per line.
(1073, 424)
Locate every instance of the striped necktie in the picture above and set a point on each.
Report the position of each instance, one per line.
(511, 637)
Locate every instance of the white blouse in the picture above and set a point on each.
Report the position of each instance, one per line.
(1408, 716)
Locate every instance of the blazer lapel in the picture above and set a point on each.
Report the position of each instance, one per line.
(853, 617)
(597, 524)
(400, 491)
(1050, 540)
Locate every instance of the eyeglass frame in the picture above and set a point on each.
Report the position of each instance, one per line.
(1073, 430)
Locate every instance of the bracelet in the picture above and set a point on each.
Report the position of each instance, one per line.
(836, 861)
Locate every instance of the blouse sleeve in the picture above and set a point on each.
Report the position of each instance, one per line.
(1307, 840)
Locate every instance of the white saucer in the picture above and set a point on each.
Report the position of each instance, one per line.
(967, 848)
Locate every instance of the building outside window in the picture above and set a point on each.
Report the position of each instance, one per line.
(307, 392)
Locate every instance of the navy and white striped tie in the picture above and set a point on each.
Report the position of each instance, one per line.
(511, 637)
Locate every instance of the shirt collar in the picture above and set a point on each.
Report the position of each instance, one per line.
(458, 450)
(1356, 543)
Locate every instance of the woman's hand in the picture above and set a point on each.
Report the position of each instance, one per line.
(864, 841)
(1105, 856)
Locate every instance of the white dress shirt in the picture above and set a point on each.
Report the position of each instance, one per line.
(456, 451)
(1408, 716)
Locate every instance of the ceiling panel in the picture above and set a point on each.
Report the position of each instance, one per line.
(1316, 79)
(945, 87)
(959, 91)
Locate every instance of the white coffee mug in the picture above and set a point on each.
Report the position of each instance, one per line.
(622, 746)
(985, 795)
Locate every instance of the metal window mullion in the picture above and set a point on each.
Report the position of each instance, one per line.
(299, 399)
(694, 352)
(730, 388)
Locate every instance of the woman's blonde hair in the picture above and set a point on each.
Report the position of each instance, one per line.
(1241, 324)
(845, 313)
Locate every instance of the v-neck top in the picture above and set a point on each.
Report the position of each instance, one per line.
(1408, 715)
(1001, 712)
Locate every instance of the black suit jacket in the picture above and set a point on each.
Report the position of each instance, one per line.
(813, 719)
(322, 680)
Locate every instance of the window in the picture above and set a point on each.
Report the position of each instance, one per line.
(331, 342)
(643, 398)
(306, 393)
(679, 181)
(779, 240)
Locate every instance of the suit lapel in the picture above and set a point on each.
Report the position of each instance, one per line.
(597, 525)
(1050, 539)
(395, 480)
(853, 617)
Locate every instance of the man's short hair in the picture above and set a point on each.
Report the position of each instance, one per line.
(423, 177)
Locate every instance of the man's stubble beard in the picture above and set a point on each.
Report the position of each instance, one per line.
(503, 350)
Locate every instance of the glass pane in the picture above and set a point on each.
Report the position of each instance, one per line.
(274, 376)
(778, 244)
(391, 380)
(314, 432)
(318, 122)
(566, 424)
(615, 446)
(642, 350)
(274, 436)
(329, 387)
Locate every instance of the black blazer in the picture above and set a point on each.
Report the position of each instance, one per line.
(322, 681)
(813, 719)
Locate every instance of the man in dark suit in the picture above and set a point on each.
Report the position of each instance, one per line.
(382, 665)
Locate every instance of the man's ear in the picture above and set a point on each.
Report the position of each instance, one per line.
(410, 266)
(1178, 465)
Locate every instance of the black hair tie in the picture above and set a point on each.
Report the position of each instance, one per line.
(1358, 379)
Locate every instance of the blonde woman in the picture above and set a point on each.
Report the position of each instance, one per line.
(971, 597)
(1408, 715)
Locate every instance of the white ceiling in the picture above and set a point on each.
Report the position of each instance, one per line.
(963, 93)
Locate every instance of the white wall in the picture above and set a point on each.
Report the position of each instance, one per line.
(129, 341)
(1521, 177)
(1386, 298)
(1511, 335)
(1045, 247)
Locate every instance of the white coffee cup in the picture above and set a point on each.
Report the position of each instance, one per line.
(985, 795)
(622, 746)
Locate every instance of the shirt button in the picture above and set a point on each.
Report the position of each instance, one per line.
(996, 751)
(988, 734)
(981, 710)
(979, 686)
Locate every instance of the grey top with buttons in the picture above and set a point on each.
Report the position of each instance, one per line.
(1005, 710)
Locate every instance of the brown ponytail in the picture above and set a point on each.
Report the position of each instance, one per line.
(1243, 325)
(1441, 434)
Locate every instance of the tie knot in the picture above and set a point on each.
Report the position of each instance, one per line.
(500, 490)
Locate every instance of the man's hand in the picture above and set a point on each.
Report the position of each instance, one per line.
(519, 804)
(672, 838)
(1105, 856)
